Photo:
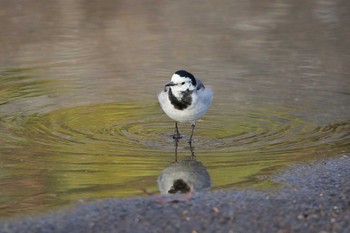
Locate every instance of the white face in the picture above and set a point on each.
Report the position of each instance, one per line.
(181, 83)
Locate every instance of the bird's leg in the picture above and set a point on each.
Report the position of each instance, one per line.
(193, 156)
(176, 145)
(190, 141)
(177, 134)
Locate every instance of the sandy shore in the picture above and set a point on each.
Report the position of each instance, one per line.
(313, 197)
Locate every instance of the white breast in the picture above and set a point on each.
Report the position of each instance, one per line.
(201, 101)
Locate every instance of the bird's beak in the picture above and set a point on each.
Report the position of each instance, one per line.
(170, 84)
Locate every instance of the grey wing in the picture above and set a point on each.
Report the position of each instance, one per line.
(199, 85)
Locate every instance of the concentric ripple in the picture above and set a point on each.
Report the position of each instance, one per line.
(92, 128)
(120, 128)
(275, 131)
(116, 149)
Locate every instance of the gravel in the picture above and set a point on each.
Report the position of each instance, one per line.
(312, 197)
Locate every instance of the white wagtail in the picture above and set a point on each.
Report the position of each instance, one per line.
(185, 99)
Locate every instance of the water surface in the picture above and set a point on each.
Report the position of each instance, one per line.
(79, 118)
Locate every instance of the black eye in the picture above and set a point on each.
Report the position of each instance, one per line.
(182, 83)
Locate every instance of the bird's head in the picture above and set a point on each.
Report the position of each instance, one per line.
(182, 81)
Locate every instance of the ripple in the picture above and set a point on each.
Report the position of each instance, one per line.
(114, 149)
(271, 131)
(135, 127)
(99, 126)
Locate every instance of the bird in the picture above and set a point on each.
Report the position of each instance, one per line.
(185, 99)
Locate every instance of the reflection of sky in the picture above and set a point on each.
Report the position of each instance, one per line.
(110, 51)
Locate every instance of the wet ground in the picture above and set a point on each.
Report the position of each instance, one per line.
(314, 198)
(79, 118)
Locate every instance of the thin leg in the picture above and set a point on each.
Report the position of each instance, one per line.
(176, 145)
(193, 156)
(177, 134)
(190, 141)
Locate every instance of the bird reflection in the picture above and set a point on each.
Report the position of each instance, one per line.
(184, 176)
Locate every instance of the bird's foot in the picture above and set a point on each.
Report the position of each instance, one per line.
(190, 142)
(177, 136)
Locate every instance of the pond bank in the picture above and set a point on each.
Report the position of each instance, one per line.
(313, 197)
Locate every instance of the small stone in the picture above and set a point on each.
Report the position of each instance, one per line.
(283, 231)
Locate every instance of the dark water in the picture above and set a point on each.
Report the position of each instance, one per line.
(79, 118)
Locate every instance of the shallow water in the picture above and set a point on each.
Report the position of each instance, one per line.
(79, 118)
